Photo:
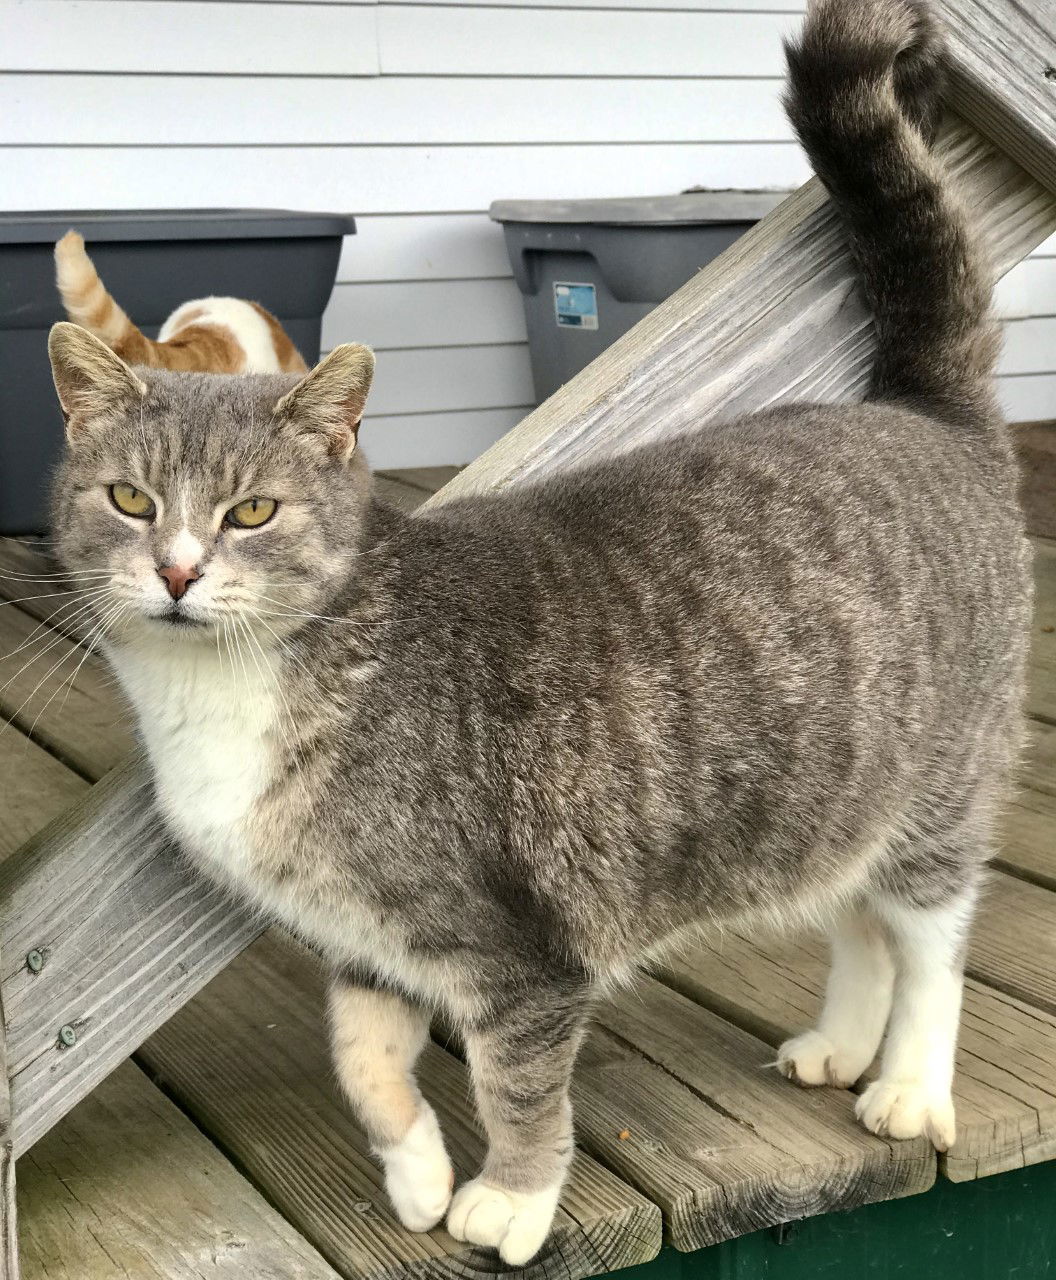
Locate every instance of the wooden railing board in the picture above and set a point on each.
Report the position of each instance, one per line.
(127, 934)
(1002, 53)
(777, 317)
(9, 1269)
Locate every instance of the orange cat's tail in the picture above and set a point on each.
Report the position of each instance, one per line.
(88, 303)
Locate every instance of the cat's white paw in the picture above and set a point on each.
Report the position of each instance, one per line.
(812, 1059)
(908, 1109)
(418, 1174)
(514, 1222)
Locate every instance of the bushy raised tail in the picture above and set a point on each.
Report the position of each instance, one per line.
(866, 78)
(88, 303)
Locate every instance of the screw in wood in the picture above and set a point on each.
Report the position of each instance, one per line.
(67, 1036)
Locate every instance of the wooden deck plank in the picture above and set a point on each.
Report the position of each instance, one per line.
(37, 788)
(717, 1138)
(1005, 1086)
(1028, 838)
(718, 1166)
(802, 329)
(126, 1186)
(61, 695)
(249, 1060)
(1014, 941)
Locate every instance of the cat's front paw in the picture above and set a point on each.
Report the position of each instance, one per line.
(418, 1174)
(812, 1059)
(514, 1222)
(908, 1109)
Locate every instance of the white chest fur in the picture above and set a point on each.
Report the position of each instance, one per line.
(205, 722)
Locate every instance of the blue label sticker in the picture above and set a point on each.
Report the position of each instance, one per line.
(575, 305)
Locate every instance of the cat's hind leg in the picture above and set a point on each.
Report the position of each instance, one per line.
(377, 1036)
(913, 1094)
(521, 1060)
(856, 1008)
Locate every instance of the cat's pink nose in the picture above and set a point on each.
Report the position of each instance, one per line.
(178, 578)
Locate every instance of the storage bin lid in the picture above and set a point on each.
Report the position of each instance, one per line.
(49, 225)
(689, 207)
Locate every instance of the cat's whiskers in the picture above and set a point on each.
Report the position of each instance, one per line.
(48, 595)
(290, 612)
(80, 575)
(47, 629)
(285, 725)
(58, 622)
(113, 616)
(47, 676)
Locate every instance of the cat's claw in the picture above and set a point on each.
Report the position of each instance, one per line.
(418, 1174)
(514, 1222)
(811, 1059)
(908, 1109)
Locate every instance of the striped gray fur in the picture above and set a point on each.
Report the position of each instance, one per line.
(493, 757)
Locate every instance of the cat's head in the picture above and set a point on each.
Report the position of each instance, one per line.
(187, 503)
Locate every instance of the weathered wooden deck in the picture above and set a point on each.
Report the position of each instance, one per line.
(223, 1147)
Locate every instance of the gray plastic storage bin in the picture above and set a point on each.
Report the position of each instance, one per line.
(589, 270)
(151, 261)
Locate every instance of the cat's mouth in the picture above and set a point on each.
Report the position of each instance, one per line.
(177, 618)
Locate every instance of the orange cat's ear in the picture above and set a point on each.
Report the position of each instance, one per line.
(90, 380)
(329, 402)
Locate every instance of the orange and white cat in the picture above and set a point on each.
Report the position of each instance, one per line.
(208, 335)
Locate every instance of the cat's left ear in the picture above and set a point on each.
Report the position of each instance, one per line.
(329, 402)
(92, 382)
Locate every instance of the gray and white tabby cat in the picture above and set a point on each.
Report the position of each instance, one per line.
(488, 759)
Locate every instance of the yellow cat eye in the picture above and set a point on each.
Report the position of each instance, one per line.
(132, 501)
(252, 513)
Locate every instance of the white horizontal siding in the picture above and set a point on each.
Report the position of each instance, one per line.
(188, 35)
(1028, 397)
(378, 179)
(435, 439)
(214, 111)
(413, 313)
(426, 247)
(415, 117)
(441, 39)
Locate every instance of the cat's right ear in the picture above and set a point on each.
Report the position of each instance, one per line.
(327, 403)
(91, 381)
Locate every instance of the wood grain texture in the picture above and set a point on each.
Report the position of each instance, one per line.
(37, 788)
(1014, 941)
(716, 1137)
(127, 935)
(9, 1269)
(1000, 53)
(1005, 1086)
(126, 1186)
(802, 330)
(249, 1060)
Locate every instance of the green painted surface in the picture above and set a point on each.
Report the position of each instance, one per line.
(999, 1228)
